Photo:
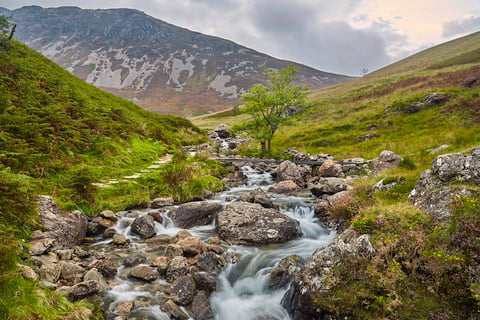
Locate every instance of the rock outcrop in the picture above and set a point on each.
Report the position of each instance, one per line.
(250, 223)
(449, 178)
(315, 274)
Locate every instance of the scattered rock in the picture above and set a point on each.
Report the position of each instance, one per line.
(285, 187)
(387, 160)
(208, 262)
(182, 290)
(157, 216)
(329, 168)
(222, 131)
(177, 267)
(84, 289)
(435, 99)
(191, 246)
(109, 233)
(262, 198)
(144, 273)
(195, 213)
(162, 202)
(119, 239)
(328, 186)
(281, 275)
(107, 214)
(50, 272)
(28, 272)
(134, 260)
(469, 82)
(288, 170)
(95, 275)
(172, 309)
(71, 273)
(106, 267)
(124, 308)
(201, 308)
(250, 223)
(144, 226)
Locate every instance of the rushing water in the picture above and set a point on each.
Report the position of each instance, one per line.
(243, 285)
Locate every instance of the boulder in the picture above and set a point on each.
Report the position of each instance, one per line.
(250, 223)
(195, 213)
(61, 230)
(262, 198)
(281, 275)
(437, 187)
(134, 260)
(95, 275)
(329, 168)
(201, 307)
(71, 273)
(328, 186)
(386, 160)
(288, 170)
(108, 214)
(144, 273)
(222, 131)
(84, 289)
(106, 267)
(182, 290)
(208, 262)
(315, 275)
(144, 226)
(50, 272)
(435, 99)
(161, 263)
(191, 246)
(119, 239)
(162, 202)
(124, 308)
(469, 82)
(174, 311)
(157, 216)
(285, 187)
(177, 267)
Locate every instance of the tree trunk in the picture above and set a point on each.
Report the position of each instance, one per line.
(264, 149)
(269, 146)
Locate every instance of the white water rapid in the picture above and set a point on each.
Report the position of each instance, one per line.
(243, 290)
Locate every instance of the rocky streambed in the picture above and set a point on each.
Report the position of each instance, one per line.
(231, 257)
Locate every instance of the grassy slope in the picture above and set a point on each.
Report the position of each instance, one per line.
(422, 269)
(57, 135)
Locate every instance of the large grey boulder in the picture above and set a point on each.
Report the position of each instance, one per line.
(288, 170)
(61, 230)
(329, 168)
(328, 186)
(182, 290)
(250, 223)
(144, 226)
(314, 276)
(449, 178)
(386, 160)
(195, 213)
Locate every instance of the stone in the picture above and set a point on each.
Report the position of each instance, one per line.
(157, 216)
(144, 273)
(173, 250)
(162, 202)
(103, 223)
(66, 254)
(191, 246)
(50, 272)
(182, 290)
(180, 235)
(469, 82)
(195, 213)
(109, 233)
(71, 273)
(281, 275)
(84, 289)
(173, 310)
(288, 170)
(28, 272)
(106, 267)
(329, 168)
(124, 308)
(119, 239)
(328, 186)
(262, 198)
(285, 187)
(161, 263)
(435, 99)
(144, 226)
(201, 307)
(134, 260)
(40, 246)
(250, 223)
(108, 214)
(177, 267)
(208, 262)
(314, 275)
(386, 160)
(222, 131)
(205, 282)
(95, 275)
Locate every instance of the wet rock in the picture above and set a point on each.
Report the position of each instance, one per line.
(124, 308)
(174, 311)
(119, 239)
(106, 267)
(329, 168)
(281, 275)
(80, 253)
(285, 187)
(205, 282)
(177, 267)
(162, 202)
(182, 290)
(161, 263)
(173, 250)
(250, 223)
(134, 260)
(195, 214)
(262, 198)
(107, 214)
(103, 223)
(191, 246)
(328, 186)
(84, 289)
(313, 278)
(208, 262)
(144, 226)
(387, 160)
(144, 273)
(201, 308)
(109, 232)
(182, 234)
(157, 216)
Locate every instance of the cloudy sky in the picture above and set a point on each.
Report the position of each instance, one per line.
(341, 36)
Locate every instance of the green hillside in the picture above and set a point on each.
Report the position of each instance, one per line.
(58, 135)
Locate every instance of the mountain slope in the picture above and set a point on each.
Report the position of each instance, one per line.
(161, 67)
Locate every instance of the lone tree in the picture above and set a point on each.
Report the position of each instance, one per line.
(268, 104)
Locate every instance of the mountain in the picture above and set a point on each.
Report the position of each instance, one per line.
(159, 66)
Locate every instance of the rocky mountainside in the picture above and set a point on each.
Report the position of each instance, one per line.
(161, 67)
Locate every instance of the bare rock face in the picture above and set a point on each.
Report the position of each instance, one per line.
(436, 188)
(195, 213)
(144, 226)
(61, 229)
(250, 223)
(314, 274)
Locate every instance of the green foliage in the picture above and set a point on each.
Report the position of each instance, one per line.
(268, 105)
(4, 24)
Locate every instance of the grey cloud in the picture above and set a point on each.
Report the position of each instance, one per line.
(461, 26)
